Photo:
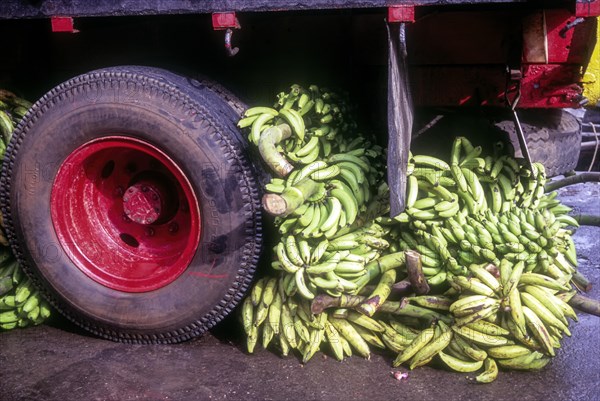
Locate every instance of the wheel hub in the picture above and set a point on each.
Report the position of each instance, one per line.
(142, 203)
(125, 214)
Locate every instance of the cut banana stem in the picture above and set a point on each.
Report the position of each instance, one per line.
(585, 304)
(414, 268)
(322, 302)
(291, 198)
(379, 295)
(581, 281)
(267, 146)
(588, 220)
(574, 179)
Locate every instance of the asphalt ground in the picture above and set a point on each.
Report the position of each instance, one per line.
(57, 361)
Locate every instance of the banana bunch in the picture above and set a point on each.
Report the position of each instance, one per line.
(270, 314)
(519, 306)
(535, 237)
(333, 266)
(325, 112)
(12, 110)
(471, 184)
(484, 226)
(339, 190)
(495, 249)
(449, 222)
(21, 305)
(514, 322)
(325, 179)
(326, 189)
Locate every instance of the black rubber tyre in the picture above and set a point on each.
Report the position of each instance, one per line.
(553, 138)
(193, 126)
(235, 103)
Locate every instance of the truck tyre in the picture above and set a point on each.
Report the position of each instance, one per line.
(130, 200)
(237, 106)
(553, 138)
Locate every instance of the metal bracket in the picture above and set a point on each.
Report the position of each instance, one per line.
(227, 22)
(401, 13)
(570, 25)
(62, 24)
(231, 51)
(514, 76)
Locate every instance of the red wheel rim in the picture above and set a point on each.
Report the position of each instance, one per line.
(125, 214)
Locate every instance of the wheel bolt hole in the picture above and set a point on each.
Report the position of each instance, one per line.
(107, 170)
(129, 240)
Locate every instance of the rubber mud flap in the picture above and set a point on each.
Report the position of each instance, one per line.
(400, 117)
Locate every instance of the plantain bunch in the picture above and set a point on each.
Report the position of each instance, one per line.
(474, 275)
(21, 305)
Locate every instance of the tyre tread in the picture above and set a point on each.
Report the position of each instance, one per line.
(553, 138)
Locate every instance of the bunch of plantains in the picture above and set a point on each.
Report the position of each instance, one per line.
(476, 273)
(21, 305)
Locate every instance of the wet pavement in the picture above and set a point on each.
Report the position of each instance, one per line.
(57, 361)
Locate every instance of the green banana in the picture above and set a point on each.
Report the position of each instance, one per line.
(352, 336)
(434, 347)
(334, 341)
(533, 361)
(301, 285)
(418, 343)
(508, 351)
(469, 349)
(480, 338)
(490, 372)
(255, 111)
(535, 324)
(459, 365)
(430, 161)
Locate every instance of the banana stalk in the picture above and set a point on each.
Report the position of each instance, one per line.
(267, 146)
(379, 295)
(414, 268)
(585, 304)
(291, 198)
(574, 179)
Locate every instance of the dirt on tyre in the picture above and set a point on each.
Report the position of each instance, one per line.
(553, 138)
(129, 199)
